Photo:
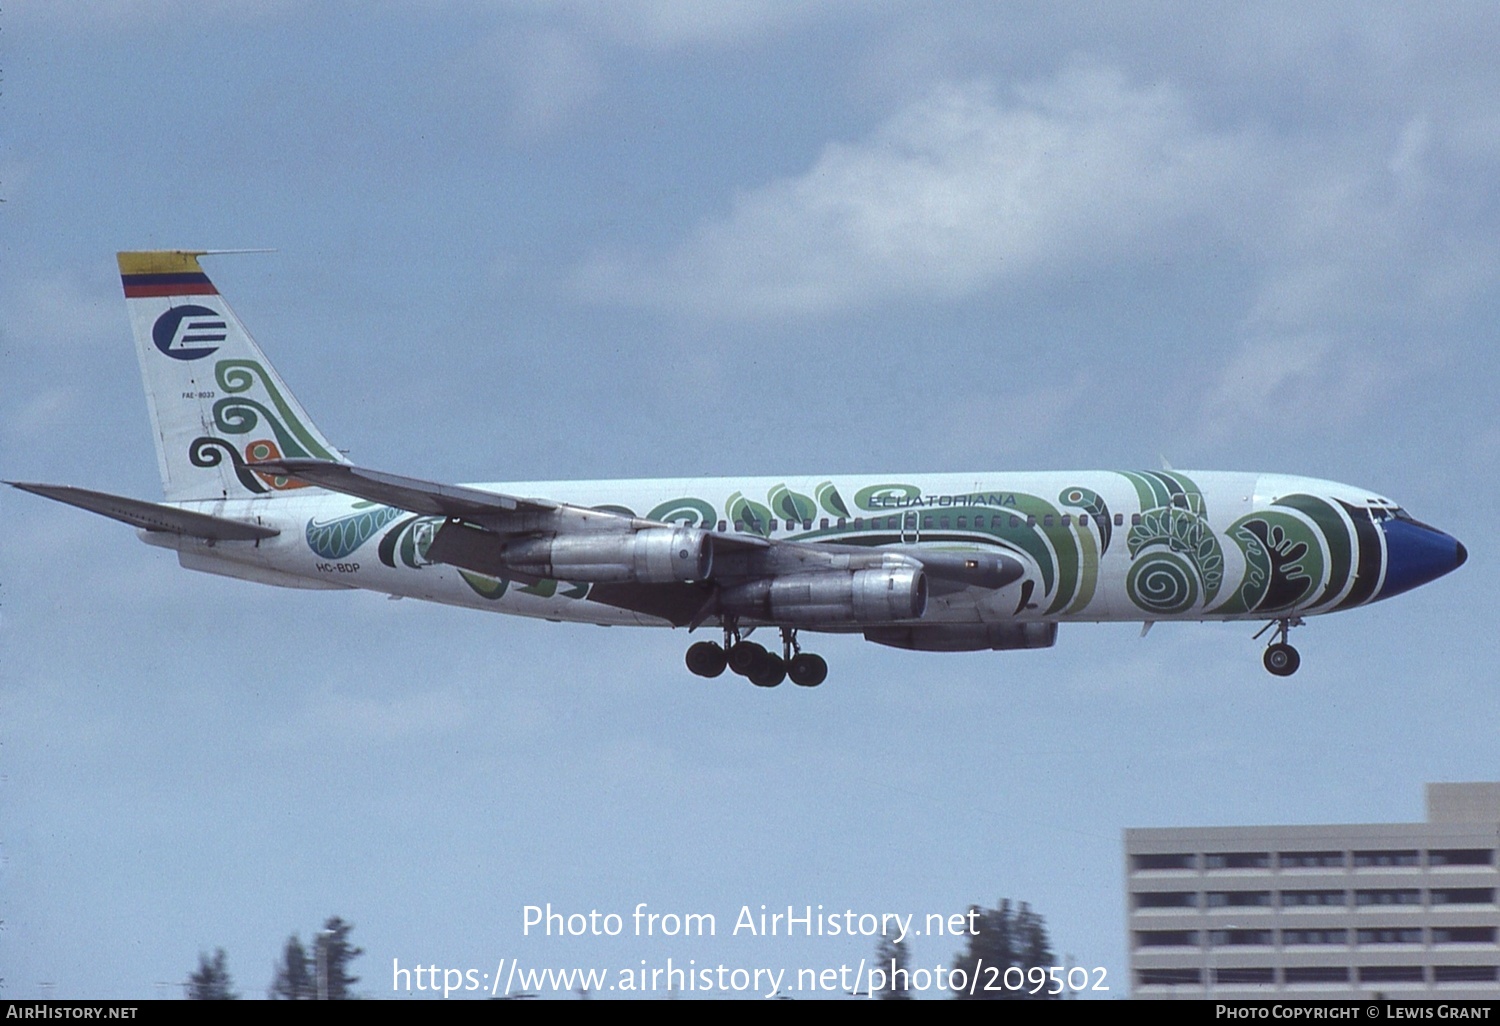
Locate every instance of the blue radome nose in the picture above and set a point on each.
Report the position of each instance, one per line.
(1416, 554)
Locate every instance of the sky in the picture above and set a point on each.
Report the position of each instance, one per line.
(543, 241)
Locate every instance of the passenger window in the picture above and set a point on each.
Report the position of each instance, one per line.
(1015, 521)
(963, 523)
(1047, 520)
(821, 523)
(1135, 520)
(1119, 519)
(1031, 520)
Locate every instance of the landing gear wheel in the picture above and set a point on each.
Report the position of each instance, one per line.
(745, 656)
(769, 672)
(807, 670)
(706, 659)
(1282, 659)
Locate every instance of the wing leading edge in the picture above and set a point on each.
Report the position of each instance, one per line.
(151, 516)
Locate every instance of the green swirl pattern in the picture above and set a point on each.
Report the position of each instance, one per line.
(238, 376)
(686, 511)
(1162, 583)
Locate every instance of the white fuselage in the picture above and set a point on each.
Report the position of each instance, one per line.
(1084, 538)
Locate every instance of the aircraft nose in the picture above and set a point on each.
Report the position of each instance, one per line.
(1416, 554)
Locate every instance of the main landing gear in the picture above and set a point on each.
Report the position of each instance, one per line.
(1281, 658)
(751, 660)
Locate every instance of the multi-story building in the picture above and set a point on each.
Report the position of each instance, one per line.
(1399, 909)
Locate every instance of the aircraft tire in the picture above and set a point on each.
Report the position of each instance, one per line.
(1282, 659)
(744, 657)
(768, 673)
(706, 659)
(807, 670)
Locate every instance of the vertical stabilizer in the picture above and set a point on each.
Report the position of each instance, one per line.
(217, 405)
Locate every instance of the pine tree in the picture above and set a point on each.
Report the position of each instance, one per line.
(211, 982)
(333, 956)
(294, 979)
(892, 958)
(1004, 938)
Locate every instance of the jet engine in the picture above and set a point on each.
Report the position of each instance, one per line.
(651, 556)
(832, 596)
(654, 555)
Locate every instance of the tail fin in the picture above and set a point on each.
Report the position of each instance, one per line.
(218, 407)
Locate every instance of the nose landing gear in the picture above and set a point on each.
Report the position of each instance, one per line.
(1281, 658)
(752, 661)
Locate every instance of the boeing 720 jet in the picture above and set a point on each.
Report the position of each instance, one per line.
(932, 562)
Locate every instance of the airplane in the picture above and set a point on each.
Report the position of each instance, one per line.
(928, 562)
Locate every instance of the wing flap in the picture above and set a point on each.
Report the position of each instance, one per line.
(151, 516)
(408, 493)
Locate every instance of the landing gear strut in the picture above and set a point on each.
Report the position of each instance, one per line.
(1281, 658)
(805, 669)
(752, 661)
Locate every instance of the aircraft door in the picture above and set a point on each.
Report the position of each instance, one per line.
(911, 533)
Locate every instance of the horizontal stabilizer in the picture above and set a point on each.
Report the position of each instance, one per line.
(151, 516)
(408, 493)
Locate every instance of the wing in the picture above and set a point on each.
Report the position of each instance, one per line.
(684, 575)
(151, 516)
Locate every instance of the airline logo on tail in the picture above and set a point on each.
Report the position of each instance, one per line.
(182, 332)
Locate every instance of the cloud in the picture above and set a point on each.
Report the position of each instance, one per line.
(675, 24)
(953, 193)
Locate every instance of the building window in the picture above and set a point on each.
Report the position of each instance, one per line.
(1293, 937)
(1239, 899)
(1311, 860)
(1166, 861)
(1463, 896)
(1247, 975)
(1391, 974)
(1391, 935)
(1169, 977)
(1386, 859)
(1166, 899)
(1237, 860)
(1166, 938)
(1463, 935)
(1239, 938)
(1403, 896)
(1465, 973)
(1298, 899)
(1461, 857)
(1315, 974)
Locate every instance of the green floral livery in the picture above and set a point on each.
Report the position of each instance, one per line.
(1303, 553)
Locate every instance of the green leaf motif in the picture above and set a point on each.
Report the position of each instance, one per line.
(792, 506)
(755, 517)
(830, 499)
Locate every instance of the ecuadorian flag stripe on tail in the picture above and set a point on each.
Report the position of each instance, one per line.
(164, 273)
(139, 285)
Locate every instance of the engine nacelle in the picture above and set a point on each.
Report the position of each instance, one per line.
(832, 597)
(956, 637)
(655, 555)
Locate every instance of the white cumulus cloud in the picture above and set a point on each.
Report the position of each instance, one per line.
(956, 191)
